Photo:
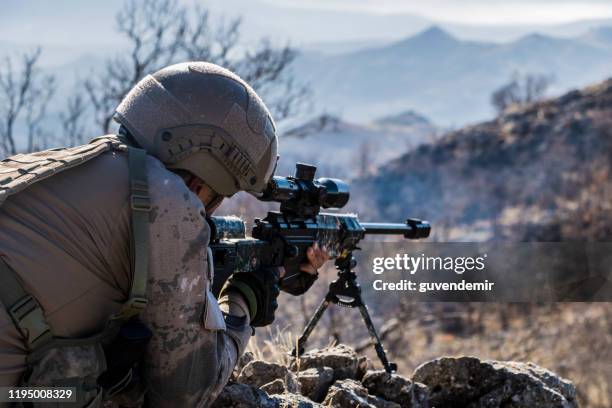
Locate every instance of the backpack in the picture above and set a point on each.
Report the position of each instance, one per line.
(23, 170)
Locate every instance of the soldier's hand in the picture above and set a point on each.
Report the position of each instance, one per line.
(259, 288)
(317, 256)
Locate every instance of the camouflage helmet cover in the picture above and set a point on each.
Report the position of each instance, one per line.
(202, 118)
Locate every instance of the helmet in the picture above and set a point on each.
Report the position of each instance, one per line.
(202, 118)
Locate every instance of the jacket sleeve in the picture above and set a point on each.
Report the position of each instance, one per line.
(192, 352)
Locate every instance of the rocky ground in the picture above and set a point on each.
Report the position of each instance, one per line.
(338, 377)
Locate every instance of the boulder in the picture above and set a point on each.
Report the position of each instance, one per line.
(289, 400)
(350, 393)
(396, 388)
(243, 396)
(243, 360)
(314, 382)
(474, 383)
(275, 387)
(247, 396)
(342, 359)
(258, 373)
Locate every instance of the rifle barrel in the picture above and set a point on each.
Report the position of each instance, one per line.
(413, 228)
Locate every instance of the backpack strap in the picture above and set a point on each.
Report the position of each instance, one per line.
(140, 204)
(25, 311)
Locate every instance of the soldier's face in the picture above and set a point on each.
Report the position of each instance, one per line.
(207, 195)
(209, 198)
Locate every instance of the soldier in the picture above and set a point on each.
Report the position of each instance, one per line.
(104, 270)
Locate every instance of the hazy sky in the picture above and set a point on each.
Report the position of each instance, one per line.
(472, 11)
(75, 23)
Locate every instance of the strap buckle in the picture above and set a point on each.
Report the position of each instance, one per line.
(132, 307)
(30, 320)
(140, 202)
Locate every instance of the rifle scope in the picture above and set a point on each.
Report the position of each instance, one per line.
(302, 195)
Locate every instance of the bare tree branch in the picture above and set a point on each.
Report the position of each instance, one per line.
(267, 70)
(204, 43)
(160, 33)
(22, 93)
(72, 119)
(36, 108)
(155, 29)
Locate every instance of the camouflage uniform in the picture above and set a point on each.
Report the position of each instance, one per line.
(67, 238)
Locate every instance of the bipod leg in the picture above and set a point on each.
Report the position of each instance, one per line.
(301, 342)
(380, 351)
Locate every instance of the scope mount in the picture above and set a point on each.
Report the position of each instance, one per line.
(301, 195)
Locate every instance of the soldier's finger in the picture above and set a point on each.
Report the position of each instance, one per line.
(324, 254)
(311, 254)
(319, 261)
(319, 256)
(308, 268)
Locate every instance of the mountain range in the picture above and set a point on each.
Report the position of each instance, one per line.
(447, 79)
(347, 150)
(444, 78)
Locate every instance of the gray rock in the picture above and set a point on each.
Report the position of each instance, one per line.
(363, 365)
(350, 393)
(243, 396)
(247, 396)
(243, 360)
(289, 400)
(275, 387)
(470, 382)
(342, 359)
(396, 388)
(258, 373)
(315, 382)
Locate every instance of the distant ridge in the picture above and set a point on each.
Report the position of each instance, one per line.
(541, 172)
(445, 78)
(406, 118)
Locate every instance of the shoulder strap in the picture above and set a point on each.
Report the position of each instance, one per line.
(25, 311)
(23, 170)
(140, 203)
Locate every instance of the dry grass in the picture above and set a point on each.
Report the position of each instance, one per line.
(273, 344)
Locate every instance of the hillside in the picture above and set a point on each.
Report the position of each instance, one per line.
(448, 79)
(541, 173)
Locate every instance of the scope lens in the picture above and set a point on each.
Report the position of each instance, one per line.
(337, 193)
(280, 189)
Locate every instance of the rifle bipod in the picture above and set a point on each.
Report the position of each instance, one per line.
(345, 291)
